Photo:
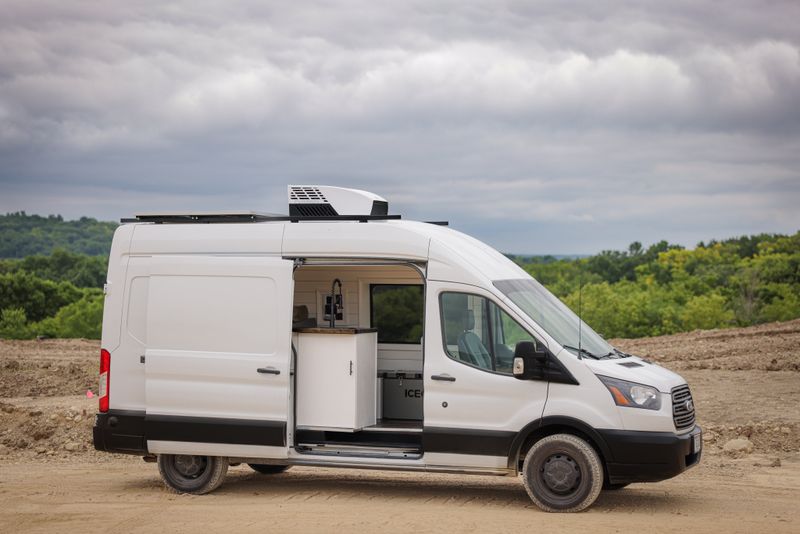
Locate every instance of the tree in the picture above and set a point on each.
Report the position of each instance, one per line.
(705, 312)
(14, 324)
(39, 298)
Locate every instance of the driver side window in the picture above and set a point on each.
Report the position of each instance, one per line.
(478, 333)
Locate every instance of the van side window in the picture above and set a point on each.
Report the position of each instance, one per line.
(477, 332)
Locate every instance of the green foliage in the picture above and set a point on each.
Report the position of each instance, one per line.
(784, 304)
(82, 318)
(14, 324)
(39, 298)
(704, 312)
(62, 266)
(33, 306)
(397, 310)
(667, 289)
(26, 235)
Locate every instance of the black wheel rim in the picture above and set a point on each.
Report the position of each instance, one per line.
(190, 467)
(560, 474)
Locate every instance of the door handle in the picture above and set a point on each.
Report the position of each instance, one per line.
(445, 377)
(268, 371)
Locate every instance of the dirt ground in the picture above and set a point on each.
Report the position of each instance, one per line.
(746, 384)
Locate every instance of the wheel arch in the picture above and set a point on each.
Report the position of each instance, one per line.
(556, 424)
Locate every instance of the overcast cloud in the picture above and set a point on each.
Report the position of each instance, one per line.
(546, 127)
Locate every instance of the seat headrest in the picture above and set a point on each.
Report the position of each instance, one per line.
(469, 320)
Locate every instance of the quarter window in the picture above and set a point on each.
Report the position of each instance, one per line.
(479, 333)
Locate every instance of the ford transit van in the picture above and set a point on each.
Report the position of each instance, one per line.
(342, 336)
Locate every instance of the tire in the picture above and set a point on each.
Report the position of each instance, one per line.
(192, 474)
(615, 487)
(562, 473)
(267, 469)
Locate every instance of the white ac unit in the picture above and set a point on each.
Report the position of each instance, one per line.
(329, 201)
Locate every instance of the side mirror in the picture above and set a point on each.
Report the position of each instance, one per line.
(529, 357)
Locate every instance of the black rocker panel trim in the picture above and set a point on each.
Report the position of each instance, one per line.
(127, 431)
(467, 441)
(215, 430)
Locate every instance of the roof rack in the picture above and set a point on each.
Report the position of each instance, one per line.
(245, 217)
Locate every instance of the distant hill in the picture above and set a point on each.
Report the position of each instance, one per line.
(25, 235)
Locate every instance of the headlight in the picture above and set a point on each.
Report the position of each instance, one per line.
(631, 394)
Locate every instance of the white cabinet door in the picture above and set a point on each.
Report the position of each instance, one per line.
(218, 354)
(336, 381)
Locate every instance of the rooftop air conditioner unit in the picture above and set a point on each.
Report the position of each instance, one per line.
(328, 201)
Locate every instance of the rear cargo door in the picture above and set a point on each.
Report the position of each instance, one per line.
(217, 362)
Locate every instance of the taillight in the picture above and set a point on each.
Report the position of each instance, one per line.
(105, 371)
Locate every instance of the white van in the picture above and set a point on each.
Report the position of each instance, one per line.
(341, 336)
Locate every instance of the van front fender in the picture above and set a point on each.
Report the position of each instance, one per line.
(555, 424)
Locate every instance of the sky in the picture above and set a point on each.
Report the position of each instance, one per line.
(539, 127)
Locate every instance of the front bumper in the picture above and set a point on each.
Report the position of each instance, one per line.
(649, 456)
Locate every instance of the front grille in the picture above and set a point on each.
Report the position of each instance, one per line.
(682, 411)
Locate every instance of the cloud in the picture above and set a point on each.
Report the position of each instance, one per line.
(569, 116)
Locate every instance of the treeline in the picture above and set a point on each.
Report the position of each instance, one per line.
(56, 289)
(25, 235)
(665, 288)
(52, 296)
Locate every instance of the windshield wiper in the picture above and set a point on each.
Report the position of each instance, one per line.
(615, 354)
(583, 351)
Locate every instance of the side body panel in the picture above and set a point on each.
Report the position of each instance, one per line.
(212, 323)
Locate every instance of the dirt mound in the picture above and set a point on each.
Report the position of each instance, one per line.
(767, 347)
(48, 368)
(767, 437)
(50, 429)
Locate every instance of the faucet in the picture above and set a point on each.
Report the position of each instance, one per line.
(334, 305)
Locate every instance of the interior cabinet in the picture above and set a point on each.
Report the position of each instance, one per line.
(336, 378)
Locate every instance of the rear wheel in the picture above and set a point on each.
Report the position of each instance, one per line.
(562, 473)
(192, 474)
(266, 469)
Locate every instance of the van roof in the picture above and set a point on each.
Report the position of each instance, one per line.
(326, 238)
(205, 217)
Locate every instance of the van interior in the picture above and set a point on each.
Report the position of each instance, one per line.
(345, 308)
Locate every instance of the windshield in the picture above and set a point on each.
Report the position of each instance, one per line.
(554, 316)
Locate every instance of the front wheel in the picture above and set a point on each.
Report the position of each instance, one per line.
(562, 473)
(192, 474)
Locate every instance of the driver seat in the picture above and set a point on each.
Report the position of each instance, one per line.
(470, 347)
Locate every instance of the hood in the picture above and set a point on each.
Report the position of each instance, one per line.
(635, 369)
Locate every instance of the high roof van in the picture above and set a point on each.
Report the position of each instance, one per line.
(342, 336)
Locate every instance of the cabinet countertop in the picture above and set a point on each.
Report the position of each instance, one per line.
(336, 330)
